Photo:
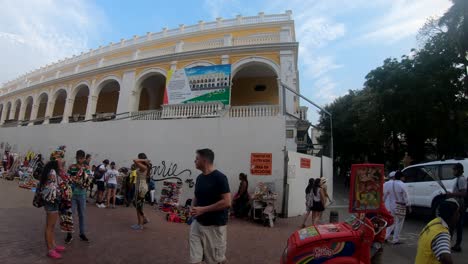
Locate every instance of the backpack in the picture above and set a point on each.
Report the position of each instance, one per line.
(97, 173)
(38, 201)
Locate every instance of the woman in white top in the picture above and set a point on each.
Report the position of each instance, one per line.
(111, 180)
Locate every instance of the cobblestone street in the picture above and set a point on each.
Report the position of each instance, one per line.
(112, 240)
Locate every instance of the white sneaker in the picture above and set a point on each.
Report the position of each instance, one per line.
(103, 206)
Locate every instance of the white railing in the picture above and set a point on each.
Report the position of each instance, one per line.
(136, 40)
(156, 52)
(208, 44)
(257, 39)
(254, 111)
(192, 110)
(88, 67)
(146, 115)
(117, 60)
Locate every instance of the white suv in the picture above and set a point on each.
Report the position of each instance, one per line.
(424, 190)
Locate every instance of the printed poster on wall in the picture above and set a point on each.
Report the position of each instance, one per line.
(199, 85)
(366, 188)
(305, 163)
(260, 163)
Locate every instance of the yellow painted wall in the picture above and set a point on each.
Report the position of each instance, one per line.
(243, 92)
(274, 56)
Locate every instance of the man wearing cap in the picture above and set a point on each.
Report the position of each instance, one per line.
(434, 239)
(387, 189)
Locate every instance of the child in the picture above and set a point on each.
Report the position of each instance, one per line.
(111, 180)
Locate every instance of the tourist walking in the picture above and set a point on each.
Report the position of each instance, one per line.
(319, 200)
(99, 176)
(459, 193)
(143, 166)
(210, 212)
(397, 199)
(49, 189)
(309, 201)
(79, 179)
(111, 182)
(434, 240)
(131, 185)
(240, 203)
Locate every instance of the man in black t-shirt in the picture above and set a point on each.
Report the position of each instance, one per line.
(210, 211)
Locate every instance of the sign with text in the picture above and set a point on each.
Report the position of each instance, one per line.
(260, 163)
(199, 84)
(305, 163)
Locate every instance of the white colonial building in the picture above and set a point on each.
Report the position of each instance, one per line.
(110, 102)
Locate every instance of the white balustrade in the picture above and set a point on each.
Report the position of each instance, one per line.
(117, 60)
(138, 40)
(156, 52)
(193, 110)
(257, 39)
(146, 115)
(208, 44)
(254, 111)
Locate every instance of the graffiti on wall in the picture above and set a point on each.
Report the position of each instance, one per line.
(166, 171)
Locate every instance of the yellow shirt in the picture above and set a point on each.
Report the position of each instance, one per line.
(425, 255)
(133, 176)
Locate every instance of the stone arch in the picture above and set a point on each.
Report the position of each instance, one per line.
(59, 100)
(107, 92)
(199, 63)
(8, 111)
(80, 95)
(42, 101)
(17, 109)
(255, 82)
(29, 101)
(149, 89)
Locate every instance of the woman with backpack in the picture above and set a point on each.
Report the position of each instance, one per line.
(51, 192)
(143, 166)
(309, 201)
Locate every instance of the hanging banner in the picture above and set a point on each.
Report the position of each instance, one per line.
(260, 163)
(366, 188)
(199, 85)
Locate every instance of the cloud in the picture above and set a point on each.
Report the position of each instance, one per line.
(35, 33)
(218, 8)
(325, 89)
(321, 65)
(404, 19)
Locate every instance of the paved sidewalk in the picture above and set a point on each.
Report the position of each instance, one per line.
(112, 240)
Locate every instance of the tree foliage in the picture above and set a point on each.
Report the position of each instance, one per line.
(416, 104)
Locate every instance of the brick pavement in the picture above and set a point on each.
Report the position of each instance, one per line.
(112, 240)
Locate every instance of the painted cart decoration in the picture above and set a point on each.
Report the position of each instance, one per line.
(366, 188)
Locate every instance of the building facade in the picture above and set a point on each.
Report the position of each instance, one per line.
(110, 100)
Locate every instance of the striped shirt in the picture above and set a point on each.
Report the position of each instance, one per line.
(441, 243)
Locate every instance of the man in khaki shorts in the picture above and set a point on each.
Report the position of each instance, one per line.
(210, 211)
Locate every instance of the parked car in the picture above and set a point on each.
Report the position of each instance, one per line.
(424, 190)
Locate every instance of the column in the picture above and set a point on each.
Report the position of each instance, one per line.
(68, 110)
(288, 77)
(4, 111)
(91, 107)
(49, 112)
(126, 100)
(22, 112)
(34, 110)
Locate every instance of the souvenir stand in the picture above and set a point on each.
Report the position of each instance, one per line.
(263, 204)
